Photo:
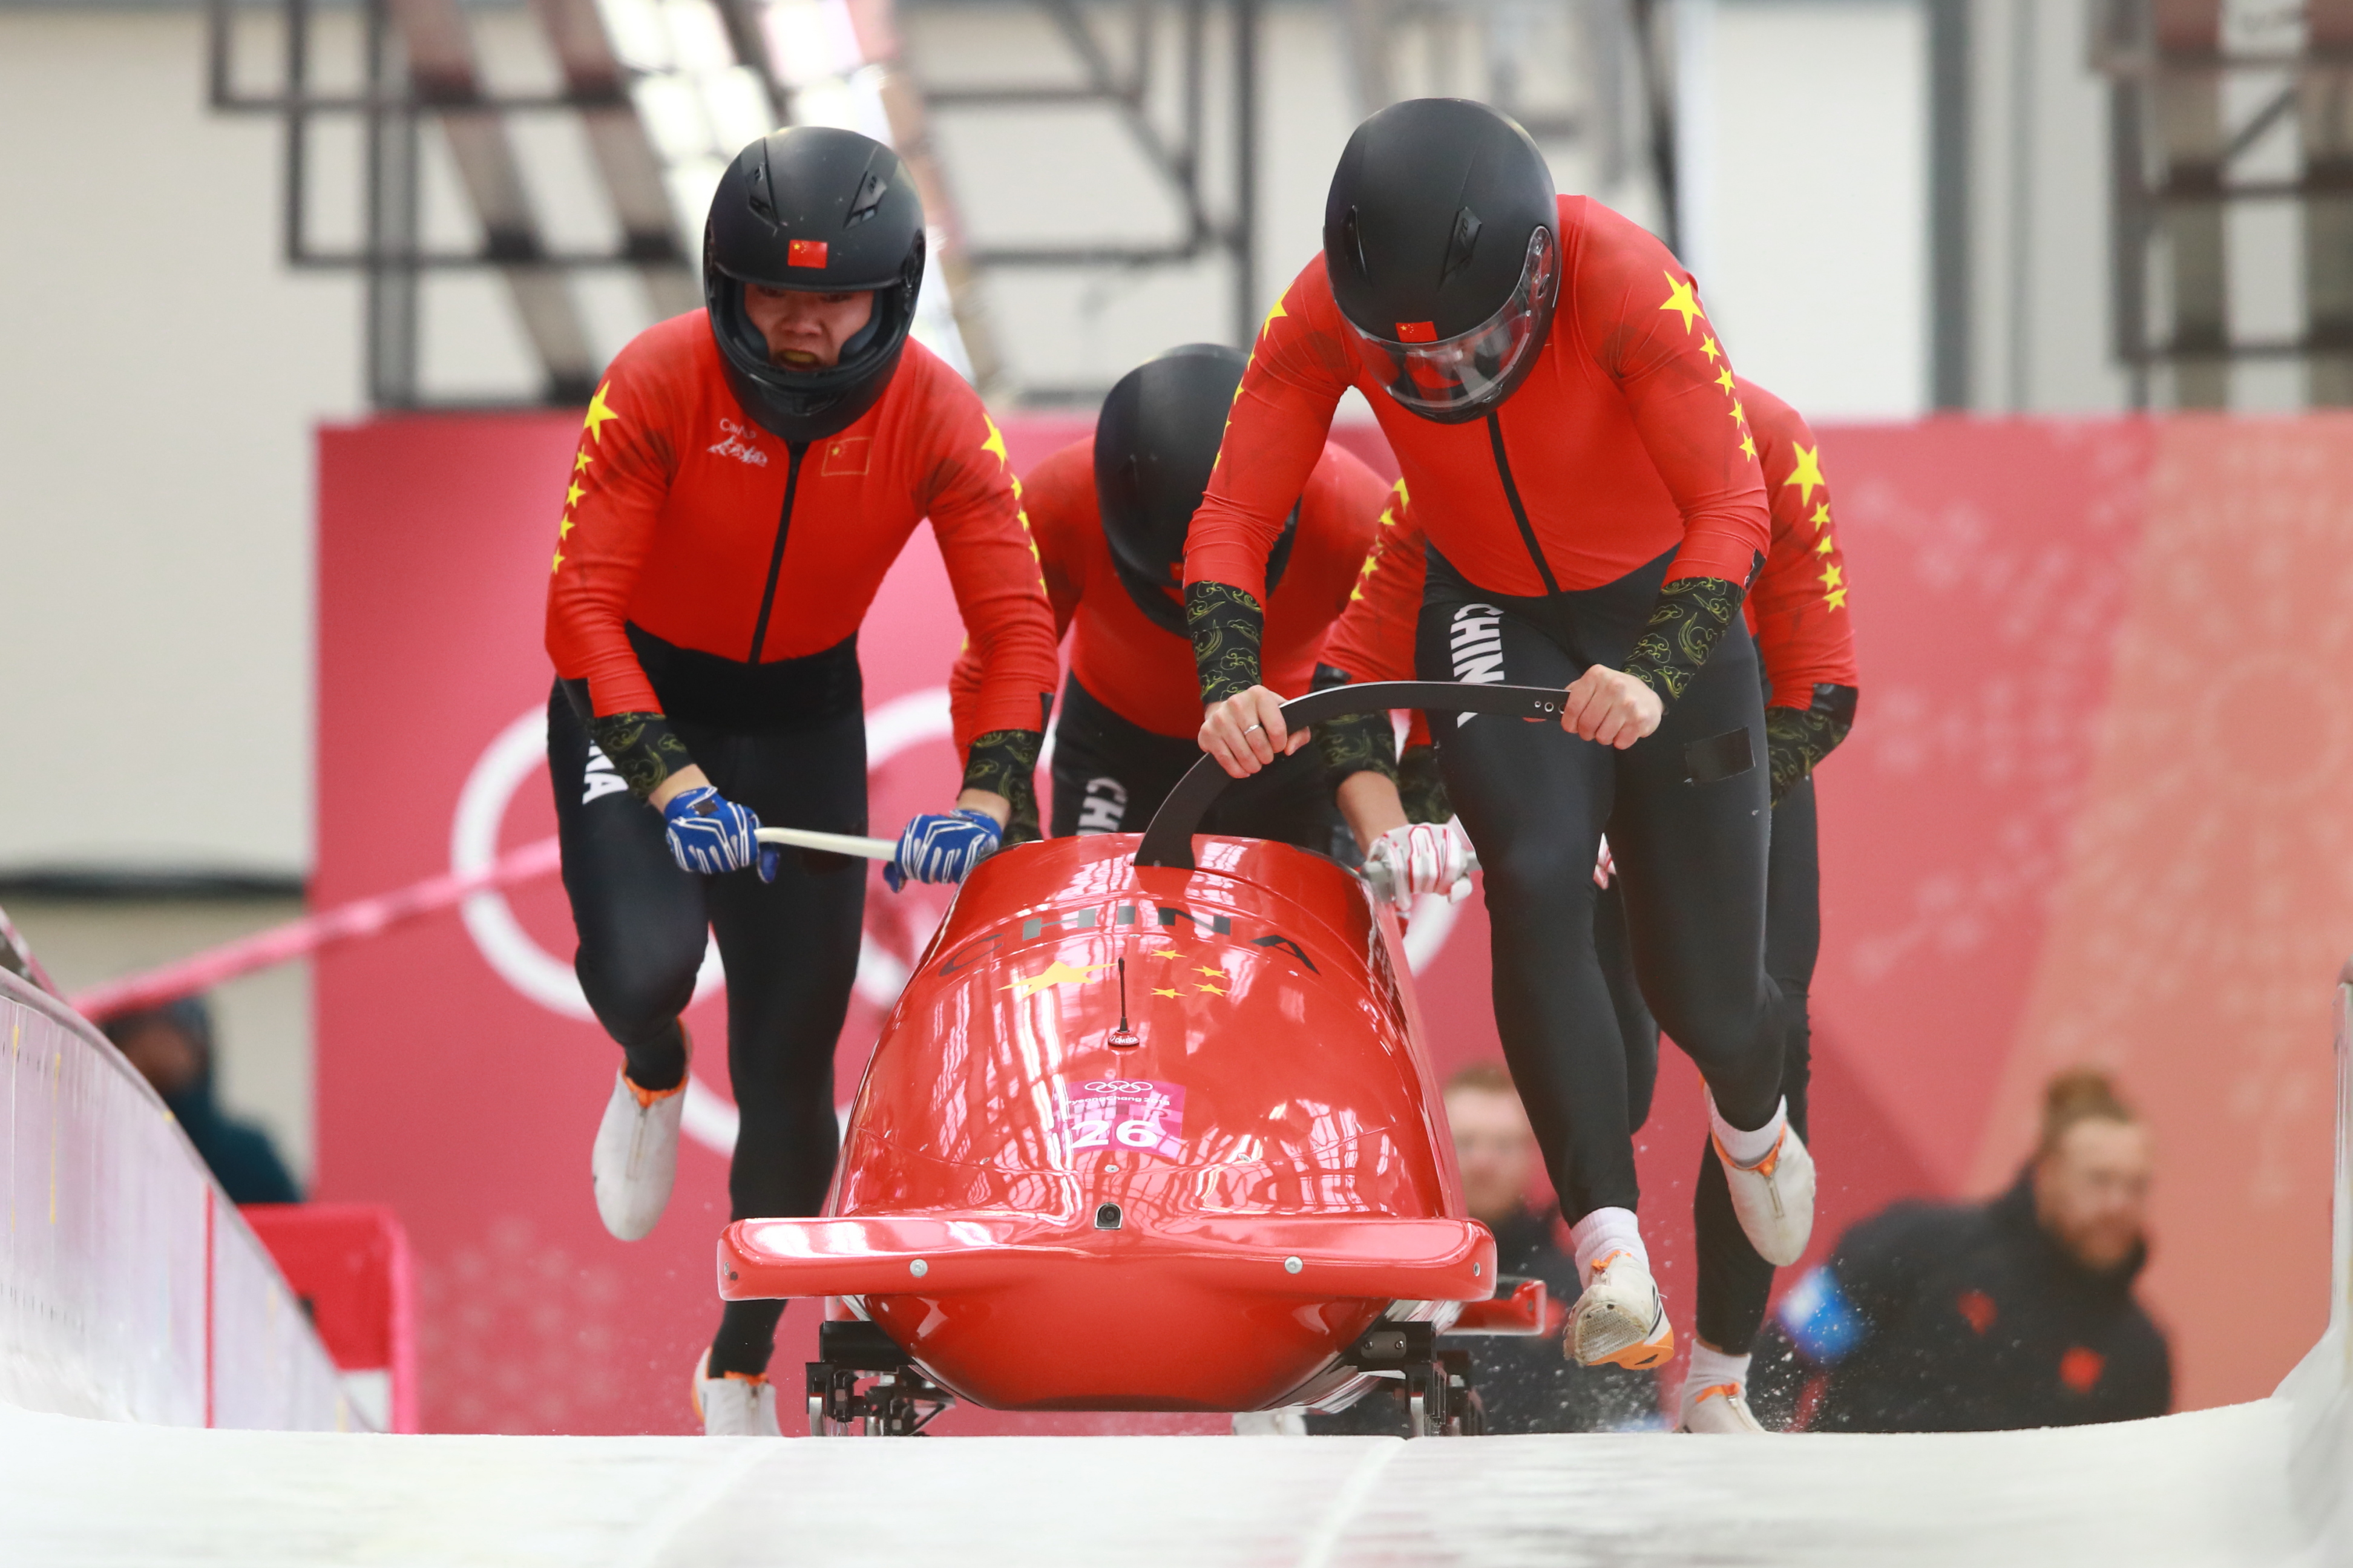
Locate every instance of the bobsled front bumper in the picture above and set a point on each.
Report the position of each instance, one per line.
(1021, 1312)
(1379, 1257)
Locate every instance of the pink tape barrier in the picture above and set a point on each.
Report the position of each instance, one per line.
(311, 933)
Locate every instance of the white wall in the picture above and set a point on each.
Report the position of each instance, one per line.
(164, 372)
(1810, 184)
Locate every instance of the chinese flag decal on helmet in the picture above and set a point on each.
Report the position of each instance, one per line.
(818, 208)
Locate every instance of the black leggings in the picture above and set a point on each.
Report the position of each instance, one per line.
(790, 948)
(1110, 775)
(1733, 1282)
(1686, 811)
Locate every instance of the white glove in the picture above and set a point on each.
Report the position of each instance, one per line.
(1421, 857)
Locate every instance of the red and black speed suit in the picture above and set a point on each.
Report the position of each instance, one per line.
(708, 584)
(1796, 611)
(1609, 511)
(1132, 707)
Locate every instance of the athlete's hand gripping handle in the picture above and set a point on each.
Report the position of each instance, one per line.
(1421, 857)
(943, 849)
(712, 834)
(1246, 731)
(1610, 707)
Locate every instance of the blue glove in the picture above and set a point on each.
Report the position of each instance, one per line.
(710, 834)
(943, 849)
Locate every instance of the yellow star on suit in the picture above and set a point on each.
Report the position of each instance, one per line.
(1808, 478)
(996, 442)
(1683, 297)
(599, 410)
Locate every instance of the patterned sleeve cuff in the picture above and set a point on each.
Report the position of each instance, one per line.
(642, 748)
(1691, 614)
(1004, 761)
(1421, 789)
(1226, 625)
(1798, 739)
(1354, 742)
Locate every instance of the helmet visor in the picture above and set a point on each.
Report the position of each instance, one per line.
(1453, 374)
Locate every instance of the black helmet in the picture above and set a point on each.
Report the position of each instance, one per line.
(1441, 240)
(1156, 442)
(826, 211)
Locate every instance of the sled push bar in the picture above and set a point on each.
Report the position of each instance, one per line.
(1168, 840)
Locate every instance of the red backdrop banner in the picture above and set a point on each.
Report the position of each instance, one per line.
(2005, 883)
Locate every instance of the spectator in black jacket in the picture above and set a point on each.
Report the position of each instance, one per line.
(1984, 1317)
(172, 1047)
(1523, 1383)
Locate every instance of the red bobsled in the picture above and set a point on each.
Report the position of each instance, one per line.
(1150, 1128)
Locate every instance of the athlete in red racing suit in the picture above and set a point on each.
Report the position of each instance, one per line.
(1798, 614)
(723, 536)
(1595, 510)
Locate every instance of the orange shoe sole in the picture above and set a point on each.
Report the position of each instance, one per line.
(1646, 1356)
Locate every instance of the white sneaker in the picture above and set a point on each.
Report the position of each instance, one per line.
(734, 1405)
(635, 1157)
(1283, 1421)
(1721, 1409)
(1774, 1198)
(1621, 1319)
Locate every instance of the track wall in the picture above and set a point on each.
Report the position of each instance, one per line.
(130, 1288)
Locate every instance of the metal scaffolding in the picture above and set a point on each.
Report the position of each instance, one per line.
(2178, 164)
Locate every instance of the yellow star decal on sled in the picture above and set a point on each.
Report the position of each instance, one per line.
(1156, 990)
(1055, 973)
(1213, 973)
(1204, 985)
(1683, 297)
(1166, 953)
(1807, 477)
(599, 411)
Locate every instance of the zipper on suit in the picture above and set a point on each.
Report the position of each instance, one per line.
(792, 456)
(1511, 495)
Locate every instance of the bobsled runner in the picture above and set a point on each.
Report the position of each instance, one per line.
(1150, 1128)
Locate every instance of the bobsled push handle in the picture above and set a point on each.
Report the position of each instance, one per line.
(1168, 841)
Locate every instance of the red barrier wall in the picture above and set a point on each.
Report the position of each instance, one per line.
(2092, 655)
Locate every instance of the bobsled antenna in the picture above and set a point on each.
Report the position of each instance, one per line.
(1124, 1038)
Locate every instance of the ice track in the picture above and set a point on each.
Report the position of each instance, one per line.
(2213, 1488)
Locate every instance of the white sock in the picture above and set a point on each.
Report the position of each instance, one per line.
(1711, 1368)
(1747, 1148)
(1603, 1232)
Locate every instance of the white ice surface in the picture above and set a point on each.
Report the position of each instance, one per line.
(2210, 1489)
